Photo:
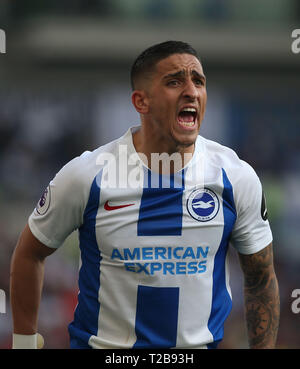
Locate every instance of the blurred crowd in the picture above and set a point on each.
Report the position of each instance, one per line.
(204, 10)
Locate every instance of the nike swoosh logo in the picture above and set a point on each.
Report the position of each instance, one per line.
(110, 207)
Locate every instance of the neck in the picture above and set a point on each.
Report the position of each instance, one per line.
(160, 154)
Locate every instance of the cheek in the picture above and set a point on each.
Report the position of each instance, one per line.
(163, 105)
(164, 108)
(203, 99)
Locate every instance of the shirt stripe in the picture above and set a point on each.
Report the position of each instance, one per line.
(156, 317)
(221, 300)
(161, 205)
(86, 314)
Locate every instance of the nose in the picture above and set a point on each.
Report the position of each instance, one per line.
(190, 90)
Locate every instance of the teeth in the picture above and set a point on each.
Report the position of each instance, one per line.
(187, 124)
(193, 110)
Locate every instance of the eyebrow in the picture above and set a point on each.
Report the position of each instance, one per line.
(182, 73)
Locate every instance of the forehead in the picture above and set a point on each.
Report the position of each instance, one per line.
(178, 62)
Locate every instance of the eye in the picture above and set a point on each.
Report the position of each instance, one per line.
(199, 82)
(173, 82)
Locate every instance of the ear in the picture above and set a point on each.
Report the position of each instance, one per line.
(140, 101)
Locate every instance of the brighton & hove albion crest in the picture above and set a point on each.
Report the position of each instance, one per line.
(203, 204)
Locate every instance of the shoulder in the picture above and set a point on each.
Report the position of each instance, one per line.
(81, 170)
(238, 171)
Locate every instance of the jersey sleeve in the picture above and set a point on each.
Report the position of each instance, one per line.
(251, 231)
(60, 210)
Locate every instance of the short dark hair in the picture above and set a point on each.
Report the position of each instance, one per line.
(145, 62)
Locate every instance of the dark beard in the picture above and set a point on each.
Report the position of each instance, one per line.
(181, 146)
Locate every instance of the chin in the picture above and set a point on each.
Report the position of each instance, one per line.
(185, 142)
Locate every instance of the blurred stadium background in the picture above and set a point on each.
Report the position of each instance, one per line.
(65, 89)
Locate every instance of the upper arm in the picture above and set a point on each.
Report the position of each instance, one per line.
(29, 246)
(257, 267)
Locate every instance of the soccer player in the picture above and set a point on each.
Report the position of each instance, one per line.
(154, 237)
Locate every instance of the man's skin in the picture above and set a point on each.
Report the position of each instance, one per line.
(177, 81)
(26, 281)
(262, 303)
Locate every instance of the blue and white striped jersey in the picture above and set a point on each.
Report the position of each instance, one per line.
(153, 269)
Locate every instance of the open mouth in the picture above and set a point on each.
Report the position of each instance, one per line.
(187, 117)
